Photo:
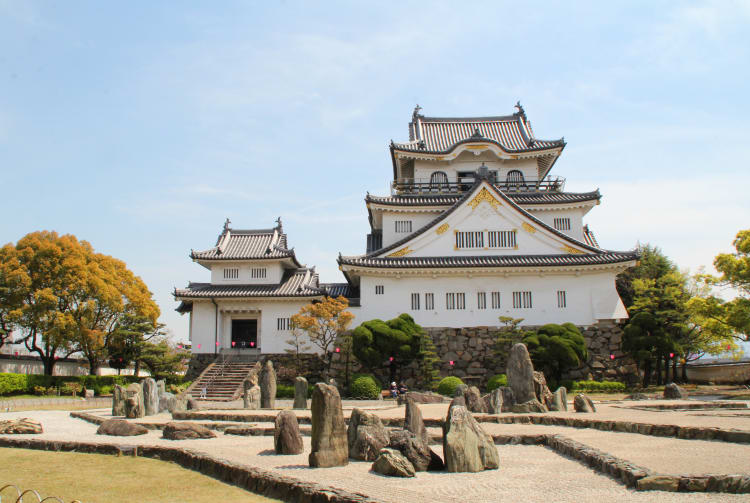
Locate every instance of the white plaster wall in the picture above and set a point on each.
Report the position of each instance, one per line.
(575, 215)
(469, 162)
(584, 296)
(203, 326)
(274, 272)
(418, 220)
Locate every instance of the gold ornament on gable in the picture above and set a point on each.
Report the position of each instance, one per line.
(484, 195)
(442, 229)
(401, 252)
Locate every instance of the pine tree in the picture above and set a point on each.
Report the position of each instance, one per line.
(429, 374)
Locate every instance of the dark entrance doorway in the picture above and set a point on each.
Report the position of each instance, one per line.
(245, 334)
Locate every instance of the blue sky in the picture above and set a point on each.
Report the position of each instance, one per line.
(140, 127)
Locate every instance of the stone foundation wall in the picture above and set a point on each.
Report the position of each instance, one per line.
(471, 350)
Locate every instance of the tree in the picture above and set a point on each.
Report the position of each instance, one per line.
(299, 342)
(64, 297)
(721, 318)
(429, 374)
(509, 334)
(643, 337)
(162, 359)
(324, 321)
(395, 341)
(653, 264)
(556, 348)
(129, 338)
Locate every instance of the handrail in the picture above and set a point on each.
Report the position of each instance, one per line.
(462, 184)
(226, 360)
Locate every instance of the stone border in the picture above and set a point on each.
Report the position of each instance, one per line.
(251, 479)
(686, 406)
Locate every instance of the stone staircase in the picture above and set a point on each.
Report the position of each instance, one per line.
(222, 379)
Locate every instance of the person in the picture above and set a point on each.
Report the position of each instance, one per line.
(394, 390)
(203, 393)
(402, 389)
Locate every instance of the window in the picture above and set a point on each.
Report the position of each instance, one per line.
(501, 239)
(429, 301)
(481, 300)
(438, 179)
(403, 226)
(495, 300)
(231, 273)
(379, 289)
(514, 179)
(522, 300)
(455, 300)
(258, 273)
(415, 302)
(562, 302)
(283, 323)
(470, 239)
(562, 224)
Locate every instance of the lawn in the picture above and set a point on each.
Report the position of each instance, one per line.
(98, 478)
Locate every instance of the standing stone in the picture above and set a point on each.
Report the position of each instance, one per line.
(268, 386)
(251, 394)
(150, 397)
(520, 374)
(509, 399)
(559, 399)
(329, 439)
(118, 401)
(474, 400)
(542, 392)
(164, 401)
(286, 436)
(300, 393)
(466, 446)
(366, 435)
(416, 451)
(493, 401)
(582, 403)
(392, 462)
(674, 392)
(161, 387)
(134, 407)
(177, 403)
(414, 423)
(460, 390)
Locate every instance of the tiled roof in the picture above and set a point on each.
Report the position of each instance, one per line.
(609, 257)
(254, 244)
(513, 133)
(337, 289)
(520, 198)
(295, 283)
(588, 237)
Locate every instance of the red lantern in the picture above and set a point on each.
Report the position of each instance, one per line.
(16, 353)
(451, 363)
(390, 359)
(338, 350)
(199, 346)
(611, 356)
(671, 355)
(252, 344)
(217, 344)
(179, 346)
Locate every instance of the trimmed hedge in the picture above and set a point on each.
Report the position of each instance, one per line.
(19, 384)
(496, 381)
(448, 385)
(365, 387)
(598, 386)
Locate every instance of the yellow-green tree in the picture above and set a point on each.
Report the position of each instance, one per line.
(726, 319)
(324, 322)
(64, 298)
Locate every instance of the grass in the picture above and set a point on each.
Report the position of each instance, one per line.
(98, 478)
(23, 397)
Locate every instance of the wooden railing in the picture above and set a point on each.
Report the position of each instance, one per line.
(423, 186)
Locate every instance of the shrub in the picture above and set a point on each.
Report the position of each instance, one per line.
(597, 386)
(497, 381)
(365, 387)
(13, 384)
(105, 390)
(40, 390)
(448, 385)
(284, 391)
(70, 388)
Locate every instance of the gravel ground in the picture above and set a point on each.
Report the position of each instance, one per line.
(529, 472)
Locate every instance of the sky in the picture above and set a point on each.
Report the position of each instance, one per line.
(141, 126)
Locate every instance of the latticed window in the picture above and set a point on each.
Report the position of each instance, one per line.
(481, 300)
(429, 301)
(231, 273)
(562, 224)
(470, 239)
(379, 289)
(283, 323)
(562, 301)
(415, 302)
(501, 239)
(495, 300)
(522, 300)
(514, 178)
(403, 226)
(438, 179)
(258, 273)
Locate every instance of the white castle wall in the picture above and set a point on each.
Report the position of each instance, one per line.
(274, 272)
